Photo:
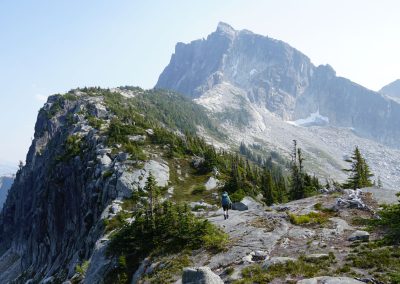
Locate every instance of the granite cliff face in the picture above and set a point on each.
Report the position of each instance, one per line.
(75, 179)
(269, 74)
(51, 217)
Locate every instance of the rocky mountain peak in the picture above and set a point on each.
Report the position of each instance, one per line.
(246, 71)
(226, 29)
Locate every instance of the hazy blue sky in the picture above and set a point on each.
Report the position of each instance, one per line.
(52, 46)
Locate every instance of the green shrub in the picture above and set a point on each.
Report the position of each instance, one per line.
(310, 218)
(82, 268)
(300, 268)
(135, 151)
(70, 97)
(213, 238)
(107, 174)
(390, 221)
(73, 147)
(238, 195)
(55, 107)
(117, 221)
(229, 271)
(94, 121)
(171, 229)
(170, 267)
(200, 189)
(318, 206)
(383, 261)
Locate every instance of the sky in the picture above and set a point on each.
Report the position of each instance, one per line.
(49, 47)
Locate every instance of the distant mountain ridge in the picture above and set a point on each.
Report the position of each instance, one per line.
(270, 74)
(392, 90)
(5, 185)
(6, 169)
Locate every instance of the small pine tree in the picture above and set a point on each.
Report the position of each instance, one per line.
(297, 190)
(380, 184)
(359, 172)
(268, 188)
(153, 193)
(281, 190)
(20, 165)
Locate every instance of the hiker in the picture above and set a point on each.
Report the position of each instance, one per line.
(226, 203)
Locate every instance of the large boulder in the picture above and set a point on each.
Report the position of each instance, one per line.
(104, 160)
(211, 183)
(246, 204)
(329, 280)
(359, 236)
(240, 206)
(200, 275)
(129, 181)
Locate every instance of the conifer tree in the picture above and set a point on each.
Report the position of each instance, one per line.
(380, 184)
(281, 190)
(153, 193)
(297, 182)
(267, 188)
(359, 172)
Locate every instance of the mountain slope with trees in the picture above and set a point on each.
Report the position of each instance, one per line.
(92, 152)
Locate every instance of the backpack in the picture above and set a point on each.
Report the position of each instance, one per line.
(225, 199)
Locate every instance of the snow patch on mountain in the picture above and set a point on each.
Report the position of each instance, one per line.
(253, 72)
(314, 118)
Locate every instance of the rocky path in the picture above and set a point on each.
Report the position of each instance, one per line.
(265, 235)
(253, 230)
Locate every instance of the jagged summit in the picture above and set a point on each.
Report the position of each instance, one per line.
(225, 28)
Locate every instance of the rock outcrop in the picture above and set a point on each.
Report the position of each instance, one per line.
(73, 180)
(359, 236)
(200, 275)
(329, 280)
(265, 236)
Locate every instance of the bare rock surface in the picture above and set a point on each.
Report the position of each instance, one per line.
(132, 180)
(246, 238)
(200, 275)
(359, 236)
(265, 236)
(211, 183)
(329, 280)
